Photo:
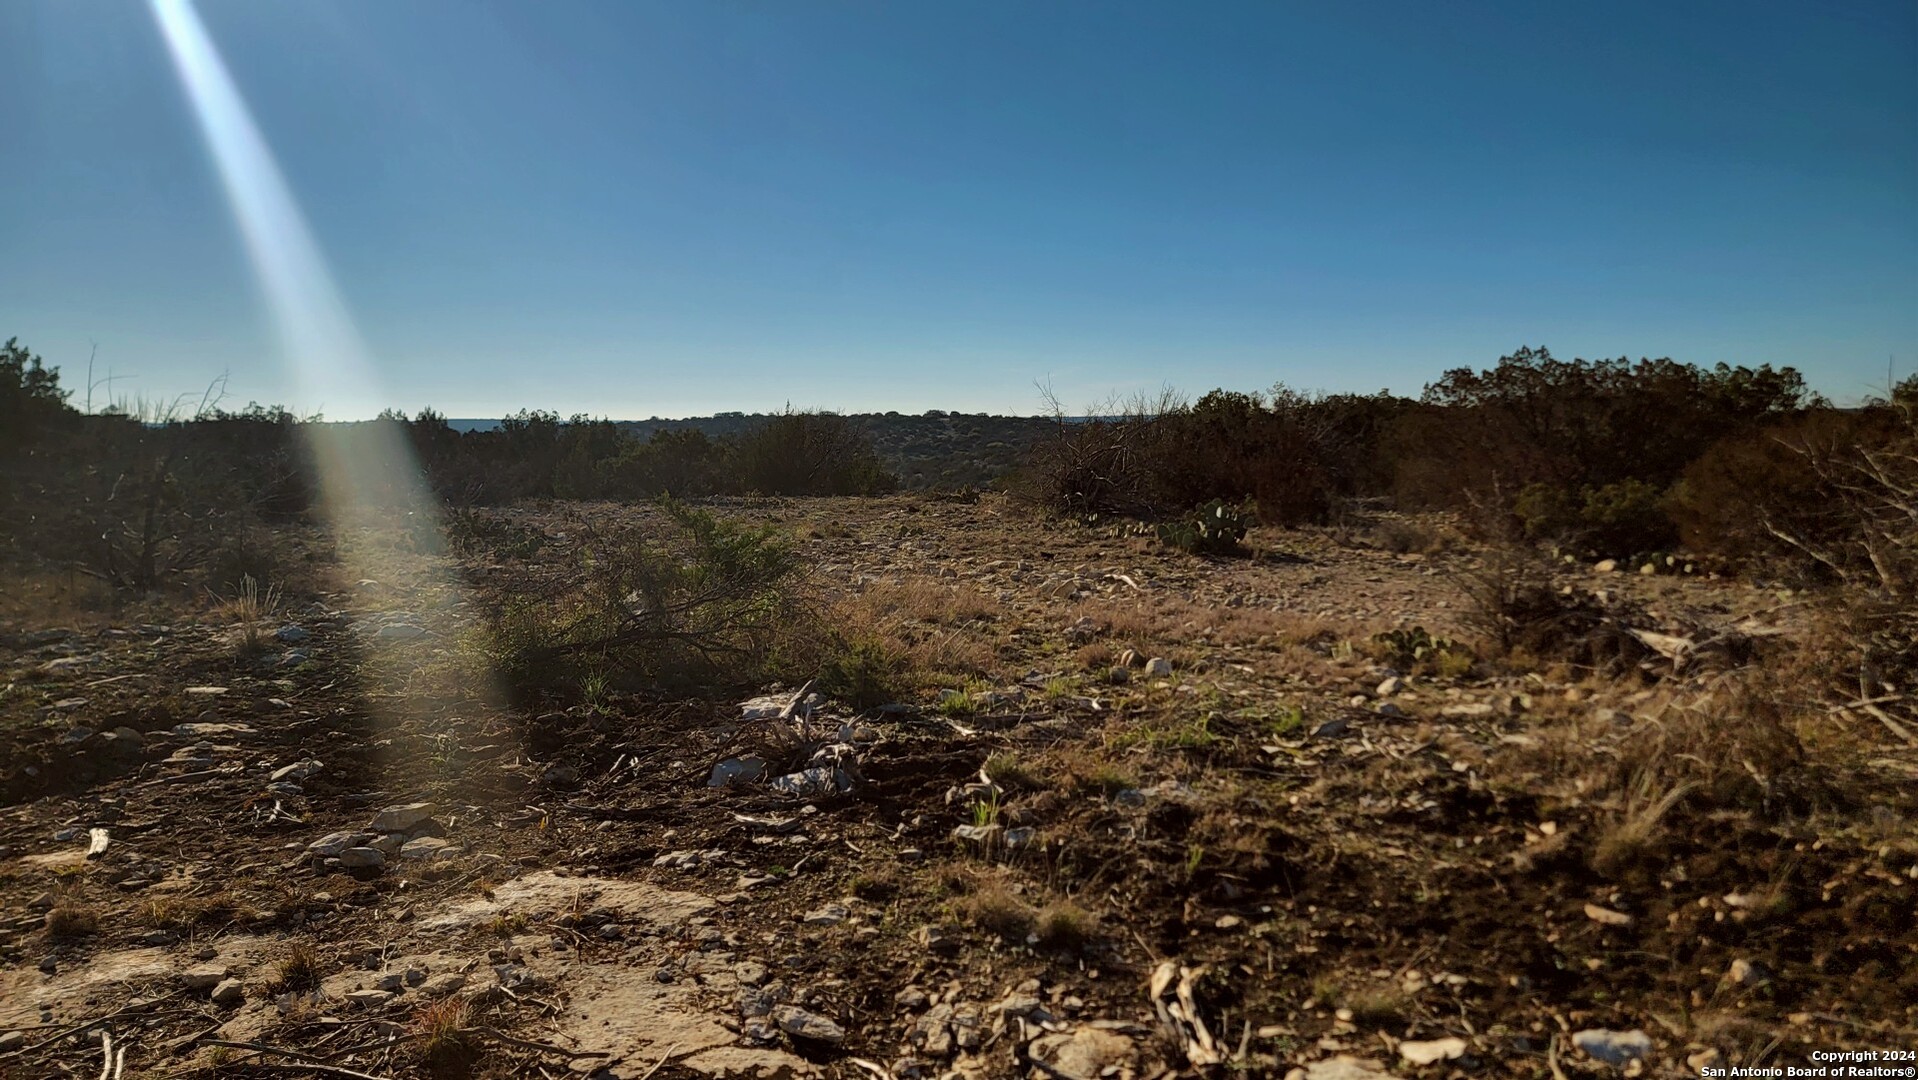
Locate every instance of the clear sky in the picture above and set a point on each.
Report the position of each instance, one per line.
(630, 208)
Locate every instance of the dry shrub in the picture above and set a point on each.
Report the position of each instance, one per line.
(72, 921)
(1729, 750)
(1153, 457)
(1065, 927)
(994, 907)
(1869, 648)
(1792, 494)
(444, 1039)
(1514, 605)
(922, 600)
(299, 969)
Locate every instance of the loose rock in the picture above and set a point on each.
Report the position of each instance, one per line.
(362, 858)
(1619, 1048)
(1607, 916)
(1435, 1050)
(367, 999)
(801, 1024)
(296, 772)
(402, 818)
(441, 985)
(229, 992)
(1084, 1054)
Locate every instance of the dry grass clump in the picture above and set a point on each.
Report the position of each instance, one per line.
(249, 607)
(1633, 834)
(1738, 746)
(72, 921)
(922, 600)
(1012, 772)
(908, 632)
(993, 906)
(180, 912)
(444, 1040)
(1379, 1007)
(1096, 656)
(506, 924)
(298, 970)
(1732, 749)
(1064, 927)
(1087, 771)
(878, 885)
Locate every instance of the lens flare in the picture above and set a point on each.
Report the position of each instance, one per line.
(367, 472)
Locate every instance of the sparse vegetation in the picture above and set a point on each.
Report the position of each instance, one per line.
(716, 605)
(298, 970)
(995, 908)
(1212, 529)
(1697, 754)
(72, 921)
(866, 673)
(1012, 772)
(445, 1041)
(1064, 927)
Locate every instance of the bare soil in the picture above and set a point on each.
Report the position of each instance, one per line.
(1334, 869)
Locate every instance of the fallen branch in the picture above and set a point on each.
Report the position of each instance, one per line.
(78, 1028)
(661, 1063)
(527, 1044)
(265, 1048)
(317, 1067)
(203, 774)
(794, 707)
(1894, 726)
(1551, 1058)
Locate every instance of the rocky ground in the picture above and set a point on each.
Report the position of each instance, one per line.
(1139, 814)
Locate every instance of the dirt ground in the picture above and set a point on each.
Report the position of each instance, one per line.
(1139, 814)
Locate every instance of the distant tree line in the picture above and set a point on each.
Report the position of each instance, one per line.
(1599, 457)
(535, 454)
(142, 496)
(1605, 457)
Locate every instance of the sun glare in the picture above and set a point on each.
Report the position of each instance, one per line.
(368, 471)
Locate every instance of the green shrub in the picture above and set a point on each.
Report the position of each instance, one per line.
(715, 606)
(1620, 519)
(809, 453)
(1285, 452)
(865, 673)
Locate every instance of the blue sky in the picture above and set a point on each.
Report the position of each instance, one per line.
(630, 208)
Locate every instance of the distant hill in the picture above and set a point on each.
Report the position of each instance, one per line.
(934, 449)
